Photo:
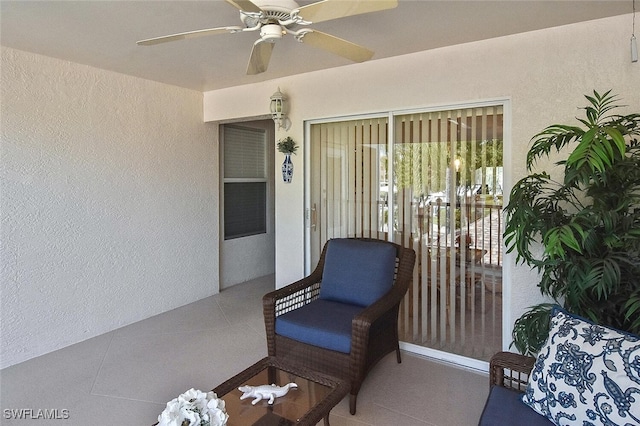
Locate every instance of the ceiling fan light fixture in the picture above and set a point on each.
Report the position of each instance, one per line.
(271, 33)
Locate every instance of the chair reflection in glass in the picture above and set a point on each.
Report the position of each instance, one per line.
(467, 262)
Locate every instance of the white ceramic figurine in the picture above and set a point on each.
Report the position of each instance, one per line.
(270, 392)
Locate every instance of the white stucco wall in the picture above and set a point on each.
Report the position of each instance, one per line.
(109, 202)
(544, 73)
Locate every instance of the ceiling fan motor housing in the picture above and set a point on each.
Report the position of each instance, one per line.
(273, 11)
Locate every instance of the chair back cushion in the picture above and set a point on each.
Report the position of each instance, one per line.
(357, 272)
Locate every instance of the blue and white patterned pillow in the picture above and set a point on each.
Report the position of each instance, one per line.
(586, 374)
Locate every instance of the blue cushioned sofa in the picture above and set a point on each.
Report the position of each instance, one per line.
(585, 374)
(508, 375)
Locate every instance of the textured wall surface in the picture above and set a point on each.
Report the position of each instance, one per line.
(544, 74)
(108, 203)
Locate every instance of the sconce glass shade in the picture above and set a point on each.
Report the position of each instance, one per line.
(278, 109)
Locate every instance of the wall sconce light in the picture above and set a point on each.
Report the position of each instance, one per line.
(278, 107)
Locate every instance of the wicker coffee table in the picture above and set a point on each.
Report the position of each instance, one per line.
(307, 405)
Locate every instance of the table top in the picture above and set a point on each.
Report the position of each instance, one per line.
(307, 404)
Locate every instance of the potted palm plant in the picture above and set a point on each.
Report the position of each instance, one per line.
(588, 222)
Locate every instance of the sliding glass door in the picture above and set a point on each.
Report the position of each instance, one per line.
(432, 181)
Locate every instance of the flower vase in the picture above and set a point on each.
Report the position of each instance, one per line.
(287, 169)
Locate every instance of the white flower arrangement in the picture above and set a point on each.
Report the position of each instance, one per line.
(194, 408)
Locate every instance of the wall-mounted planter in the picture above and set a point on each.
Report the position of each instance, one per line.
(287, 169)
(287, 146)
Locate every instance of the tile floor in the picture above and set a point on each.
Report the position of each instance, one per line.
(126, 376)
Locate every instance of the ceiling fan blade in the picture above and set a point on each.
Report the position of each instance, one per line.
(244, 5)
(188, 34)
(336, 45)
(332, 9)
(260, 57)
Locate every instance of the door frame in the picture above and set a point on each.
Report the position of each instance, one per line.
(225, 267)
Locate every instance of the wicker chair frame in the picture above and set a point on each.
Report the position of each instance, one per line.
(374, 331)
(510, 370)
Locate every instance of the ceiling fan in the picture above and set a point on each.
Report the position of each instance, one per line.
(276, 18)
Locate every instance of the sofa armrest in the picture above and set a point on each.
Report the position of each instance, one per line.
(510, 370)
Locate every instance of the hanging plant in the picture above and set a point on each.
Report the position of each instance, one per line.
(287, 145)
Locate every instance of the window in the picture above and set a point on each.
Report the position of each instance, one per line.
(245, 181)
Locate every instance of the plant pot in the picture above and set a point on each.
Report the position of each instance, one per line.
(287, 169)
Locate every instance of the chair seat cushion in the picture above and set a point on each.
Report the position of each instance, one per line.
(505, 407)
(357, 272)
(322, 323)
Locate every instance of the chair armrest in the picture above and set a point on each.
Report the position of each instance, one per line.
(286, 299)
(387, 304)
(292, 296)
(510, 370)
(394, 296)
(379, 308)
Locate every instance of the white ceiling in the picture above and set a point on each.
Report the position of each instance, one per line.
(103, 34)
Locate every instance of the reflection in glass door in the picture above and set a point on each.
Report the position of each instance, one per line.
(431, 181)
(448, 179)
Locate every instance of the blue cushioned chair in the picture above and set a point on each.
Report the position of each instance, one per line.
(343, 318)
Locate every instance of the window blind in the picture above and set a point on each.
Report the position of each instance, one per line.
(244, 152)
(245, 177)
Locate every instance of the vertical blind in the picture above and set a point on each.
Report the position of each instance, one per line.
(448, 175)
(349, 182)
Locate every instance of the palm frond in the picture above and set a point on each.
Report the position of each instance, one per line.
(530, 331)
(556, 136)
(600, 105)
